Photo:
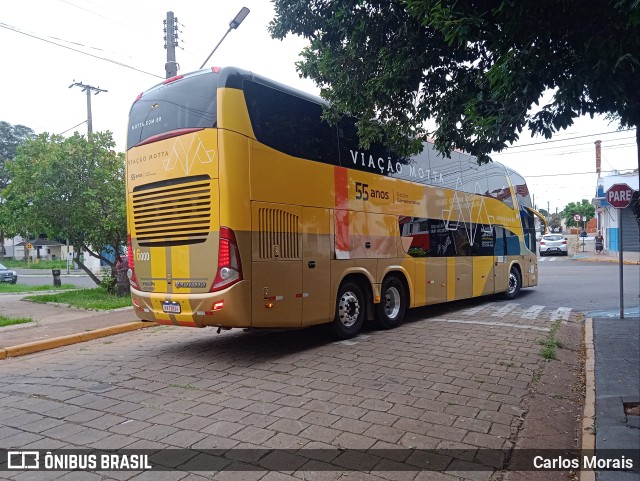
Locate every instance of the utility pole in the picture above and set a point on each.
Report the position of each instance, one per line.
(88, 89)
(170, 44)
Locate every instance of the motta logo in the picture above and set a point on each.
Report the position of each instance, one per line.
(187, 152)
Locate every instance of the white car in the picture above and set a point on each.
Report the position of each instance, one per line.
(553, 244)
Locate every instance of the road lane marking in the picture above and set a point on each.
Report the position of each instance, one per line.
(504, 310)
(474, 310)
(490, 323)
(561, 313)
(532, 312)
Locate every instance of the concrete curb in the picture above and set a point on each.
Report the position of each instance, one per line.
(606, 260)
(37, 346)
(589, 414)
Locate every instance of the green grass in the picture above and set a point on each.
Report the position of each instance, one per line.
(41, 264)
(9, 321)
(550, 344)
(96, 298)
(6, 287)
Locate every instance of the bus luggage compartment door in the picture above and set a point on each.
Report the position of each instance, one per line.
(317, 303)
(276, 267)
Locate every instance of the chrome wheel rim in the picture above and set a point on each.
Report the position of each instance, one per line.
(348, 309)
(513, 283)
(392, 303)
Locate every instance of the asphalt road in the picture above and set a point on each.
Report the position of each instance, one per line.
(39, 277)
(588, 287)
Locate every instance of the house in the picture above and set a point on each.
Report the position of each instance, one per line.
(42, 249)
(9, 246)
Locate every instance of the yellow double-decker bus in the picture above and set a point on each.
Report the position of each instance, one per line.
(246, 209)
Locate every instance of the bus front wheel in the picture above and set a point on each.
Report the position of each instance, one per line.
(350, 311)
(393, 305)
(515, 283)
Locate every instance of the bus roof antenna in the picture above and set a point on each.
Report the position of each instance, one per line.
(233, 24)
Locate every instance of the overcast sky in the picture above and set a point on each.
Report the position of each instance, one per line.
(46, 42)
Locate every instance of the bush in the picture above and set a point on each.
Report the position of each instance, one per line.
(116, 281)
(108, 283)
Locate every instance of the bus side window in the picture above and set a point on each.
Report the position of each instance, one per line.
(529, 229)
(500, 248)
(513, 243)
(290, 124)
(484, 240)
(497, 185)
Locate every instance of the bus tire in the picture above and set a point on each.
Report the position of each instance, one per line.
(393, 304)
(515, 283)
(350, 311)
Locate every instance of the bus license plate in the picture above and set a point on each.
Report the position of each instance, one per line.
(171, 307)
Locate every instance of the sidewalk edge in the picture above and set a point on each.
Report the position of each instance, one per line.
(37, 346)
(589, 414)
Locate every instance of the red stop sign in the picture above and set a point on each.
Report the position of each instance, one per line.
(619, 195)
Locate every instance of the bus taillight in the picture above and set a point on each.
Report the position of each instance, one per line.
(229, 266)
(173, 79)
(131, 273)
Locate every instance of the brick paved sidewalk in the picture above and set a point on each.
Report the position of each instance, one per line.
(455, 380)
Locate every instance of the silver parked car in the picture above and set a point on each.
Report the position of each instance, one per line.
(7, 275)
(553, 244)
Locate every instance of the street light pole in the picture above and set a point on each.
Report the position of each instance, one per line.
(244, 11)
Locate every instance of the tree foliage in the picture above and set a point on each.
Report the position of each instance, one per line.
(555, 222)
(11, 137)
(584, 209)
(476, 67)
(69, 188)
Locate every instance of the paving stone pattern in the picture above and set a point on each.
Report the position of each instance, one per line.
(426, 385)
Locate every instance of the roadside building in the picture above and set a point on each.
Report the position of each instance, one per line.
(41, 249)
(607, 216)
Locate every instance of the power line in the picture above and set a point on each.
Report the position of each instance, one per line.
(115, 62)
(84, 121)
(122, 12)
(543, 148)
(98, 14)
(80, 44)
(575, 173)
(570, 138)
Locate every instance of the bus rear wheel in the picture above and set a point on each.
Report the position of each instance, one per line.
(350, 311)
(393, 305)
(515, 283)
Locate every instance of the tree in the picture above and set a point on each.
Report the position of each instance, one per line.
(584, 209)
(11, 137)
(70, 188)
(476, 67)
(555, 223)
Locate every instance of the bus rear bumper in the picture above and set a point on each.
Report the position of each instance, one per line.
(228, 308)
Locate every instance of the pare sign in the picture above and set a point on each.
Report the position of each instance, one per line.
(619, 195)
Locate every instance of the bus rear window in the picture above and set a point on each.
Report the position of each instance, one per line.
(189, 102)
